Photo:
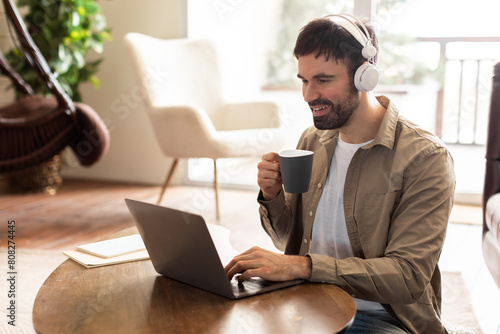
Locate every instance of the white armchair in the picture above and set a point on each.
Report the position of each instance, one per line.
(184, 102)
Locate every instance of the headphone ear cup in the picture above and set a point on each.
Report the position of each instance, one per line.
(369, 51)
(366, 77)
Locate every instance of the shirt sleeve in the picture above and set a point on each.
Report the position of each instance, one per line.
(275, 218)
(415, 236)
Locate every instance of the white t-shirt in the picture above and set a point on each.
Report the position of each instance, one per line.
(329, 234)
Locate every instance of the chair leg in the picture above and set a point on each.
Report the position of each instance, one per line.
(168, 180)
(216, 188)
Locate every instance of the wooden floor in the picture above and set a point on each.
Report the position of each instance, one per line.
(79, 212)
(87, 211)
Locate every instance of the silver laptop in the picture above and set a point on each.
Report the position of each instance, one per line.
(180, 247)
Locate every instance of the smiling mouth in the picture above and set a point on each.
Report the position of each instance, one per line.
(321, 110)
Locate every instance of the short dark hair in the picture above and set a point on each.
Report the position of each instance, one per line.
(323, 36)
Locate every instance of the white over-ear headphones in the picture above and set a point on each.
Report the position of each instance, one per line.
(366, 76)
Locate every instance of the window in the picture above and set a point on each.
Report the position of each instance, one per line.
(427, 48)
(462, 48)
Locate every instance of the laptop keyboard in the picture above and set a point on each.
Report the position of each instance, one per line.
(252, 284)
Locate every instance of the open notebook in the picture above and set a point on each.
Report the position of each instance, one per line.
(108, 252)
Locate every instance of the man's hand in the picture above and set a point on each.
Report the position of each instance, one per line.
(269, 176)
(258, 262)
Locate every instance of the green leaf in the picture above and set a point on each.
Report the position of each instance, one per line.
(81, 11)
(97, 47)
(47, 33)
(63, 65)
(61, 52)
(71, 76)
(91, 8)
(75, 35)
(106, 35)
(21, 3)
(94, 64)
(78, 58)
(66, 86)
(66, 41)
(95, 81)
(16, 52)
(75, 19)
(99, 22)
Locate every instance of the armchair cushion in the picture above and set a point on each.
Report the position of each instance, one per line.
(196, 136)
(491, 251)
(492, 216)
(188, 124)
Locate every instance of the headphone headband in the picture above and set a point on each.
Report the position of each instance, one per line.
(366, 76)
(348, 22)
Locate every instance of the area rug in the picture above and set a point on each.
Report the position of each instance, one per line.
(34, 266)
(457, 311)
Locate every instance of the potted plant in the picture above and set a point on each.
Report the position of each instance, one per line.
(64, 31)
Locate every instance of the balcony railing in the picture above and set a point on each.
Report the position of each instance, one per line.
(463, 98)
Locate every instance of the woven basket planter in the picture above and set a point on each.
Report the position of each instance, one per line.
(43, 178)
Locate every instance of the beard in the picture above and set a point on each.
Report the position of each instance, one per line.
(339, 114)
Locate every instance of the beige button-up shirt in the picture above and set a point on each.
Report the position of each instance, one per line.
(397, 200)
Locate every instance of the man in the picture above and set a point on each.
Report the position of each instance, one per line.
(374, 219)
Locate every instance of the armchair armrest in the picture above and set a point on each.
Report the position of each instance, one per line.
(492, 216)
(491, 237)
(184, 131)
(249, 115)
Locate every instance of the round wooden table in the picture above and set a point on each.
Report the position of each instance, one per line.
(133, 298)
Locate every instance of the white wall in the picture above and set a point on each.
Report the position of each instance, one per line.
(134, 155)
(243, 32)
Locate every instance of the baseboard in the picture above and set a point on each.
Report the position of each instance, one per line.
(469, 198)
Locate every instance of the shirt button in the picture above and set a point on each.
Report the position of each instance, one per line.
(310, 213)
(319, 185)
(305, 241)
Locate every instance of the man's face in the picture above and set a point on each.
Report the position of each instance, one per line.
(328, 89)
